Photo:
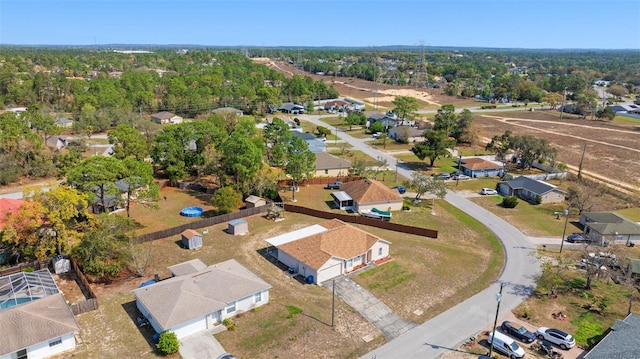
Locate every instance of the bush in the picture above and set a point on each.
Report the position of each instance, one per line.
(538, 199)
(510, 202)
(485, 107)
(231, 326)
(168, 343)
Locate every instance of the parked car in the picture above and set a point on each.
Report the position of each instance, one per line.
(226, 356)
(505, 345)
(557, 337)
(400, 189)
(521, 333)
(462, 177)
(334, 185)
(577, 238)
(488, 191)
(444, 176)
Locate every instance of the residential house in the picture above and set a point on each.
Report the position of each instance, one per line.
(388, 120)
(326, 250)
(227, 110)
(290, 107)
(622, 341)
(532, 190)
(64, 122)
(57, 142)
(330, 166)
(368, 194)
(475, 167)
(316, 145)
(199, 297)
(7, 207)
(355, 105)
(406, 134)
(165, 117)
(335, 105)
(604, 227)
(36, 320)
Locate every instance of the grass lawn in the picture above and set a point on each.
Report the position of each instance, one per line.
(631, 213)
(625, 121)
(390, 145)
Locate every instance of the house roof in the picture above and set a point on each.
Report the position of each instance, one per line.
(325, 161)
(190, 233)
(186, 297)
(475, 163)
(163, 115)
(316, 145)
(226, 109)
(338, 239)
(52, 141)
(341, 196)
(237, 222)
(188, 267)
(535, 186)
(622, 342)
(410, 131)
(370, 191)
(7, 206)
(35, 322)
(609, 223)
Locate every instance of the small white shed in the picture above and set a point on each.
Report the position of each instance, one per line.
(191, 239)
(238, 227)
(255, 201)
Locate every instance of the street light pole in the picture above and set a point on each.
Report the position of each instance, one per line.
(495, 322)
(564, 231)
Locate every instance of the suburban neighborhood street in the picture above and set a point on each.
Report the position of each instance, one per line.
(450, 329)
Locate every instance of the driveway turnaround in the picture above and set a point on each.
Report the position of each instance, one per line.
(370, 307)
(201, 345)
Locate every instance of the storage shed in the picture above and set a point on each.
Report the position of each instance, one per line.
(255, 201)
(238, 227)
(191, 239)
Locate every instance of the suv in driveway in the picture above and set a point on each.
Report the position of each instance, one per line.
(577, 238)
(488, 191)
(557, 337)
(334, 185)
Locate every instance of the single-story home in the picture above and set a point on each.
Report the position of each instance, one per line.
(529, 189)
(330, 166)
(388, 120)
(200, 297)
(622, 341)
(227, 110)
(316, 145)
(8, 206)
(165, 117)
(475, 167)
(406, 134)
(57, 142)
(64, 122)
(368, 194)
(609, 226)
(36, 320)
(290, 107)
(335, 105)
(326, 250)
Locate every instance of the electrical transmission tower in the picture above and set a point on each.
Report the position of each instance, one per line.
(421, 75)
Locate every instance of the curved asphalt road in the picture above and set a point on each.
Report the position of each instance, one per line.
(453, 327)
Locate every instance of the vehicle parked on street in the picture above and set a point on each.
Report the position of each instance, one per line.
(556, 336)
(520, 333)
(461, 177)
(505, 345)
(577, 238)
(444, 176)
(488, 191)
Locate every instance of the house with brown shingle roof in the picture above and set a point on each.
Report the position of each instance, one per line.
(200, 297)
(330, 166)
(165, 117)
(476, 167)
(36, 320)
(326, 250)
(368, 194)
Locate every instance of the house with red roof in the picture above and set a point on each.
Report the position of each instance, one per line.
(8, 206)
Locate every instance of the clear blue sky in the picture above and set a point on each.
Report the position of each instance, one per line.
(604, 24)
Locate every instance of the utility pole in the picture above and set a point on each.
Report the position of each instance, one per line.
(495, 322)
(564, 231)
(564, 98)
(584, 149)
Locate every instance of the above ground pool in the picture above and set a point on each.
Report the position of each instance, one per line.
(191, 212)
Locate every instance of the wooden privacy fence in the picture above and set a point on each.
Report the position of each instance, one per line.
(206, 222)
(425, 232)
(318, 180)
(86, 305)
(22, 266)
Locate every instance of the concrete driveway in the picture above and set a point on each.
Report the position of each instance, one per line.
(201, 345)
(370, 307)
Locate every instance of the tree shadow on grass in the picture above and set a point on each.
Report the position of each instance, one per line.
(146, 330)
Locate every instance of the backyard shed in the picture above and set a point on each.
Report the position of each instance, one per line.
(238, 227)
(255, 201)
(191, 239)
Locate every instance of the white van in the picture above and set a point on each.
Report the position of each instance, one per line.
(505, 345)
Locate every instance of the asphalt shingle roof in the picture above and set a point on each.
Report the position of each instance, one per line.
(622, 342)
(325, 161)
(611, 223)
(531, 185)
(370, 191)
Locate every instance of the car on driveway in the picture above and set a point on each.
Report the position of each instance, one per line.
(521, 333)
(334, 185)
(488, 191)
(444, 176)
(400, 189)
(462, 177)
(577, 238)
(557, 337)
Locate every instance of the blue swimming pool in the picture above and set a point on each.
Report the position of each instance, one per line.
(191, 212)
(13, 302)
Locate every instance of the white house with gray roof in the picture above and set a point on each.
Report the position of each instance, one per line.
(609, 226)
(36, 321)
(199, 297)
(529, 189)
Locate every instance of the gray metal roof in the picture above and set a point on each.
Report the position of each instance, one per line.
(610, 223)
(622, 342)
(180, 299)
(342, 196)
(534, 186)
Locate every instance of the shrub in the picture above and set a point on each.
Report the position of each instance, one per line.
(538, 199)
(168, 343)
(510, 202)
(293, 311)
(229, 324)
(485, 107)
